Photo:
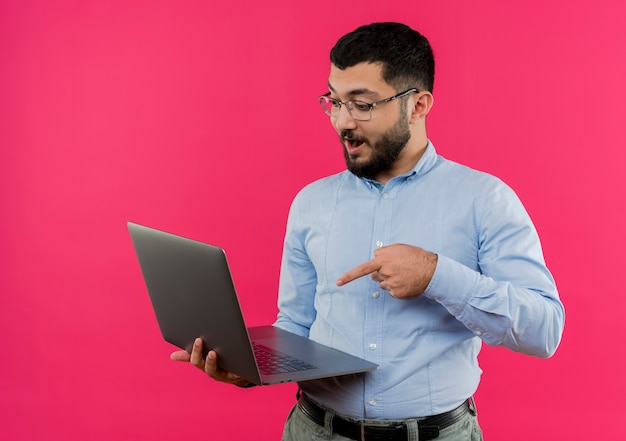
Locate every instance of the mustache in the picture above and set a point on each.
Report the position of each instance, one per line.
(349, 134)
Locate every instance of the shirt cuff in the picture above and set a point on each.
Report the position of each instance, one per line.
(452, 284)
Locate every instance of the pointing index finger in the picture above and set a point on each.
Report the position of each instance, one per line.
(359, 271)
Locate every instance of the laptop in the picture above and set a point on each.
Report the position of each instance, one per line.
(193, 295)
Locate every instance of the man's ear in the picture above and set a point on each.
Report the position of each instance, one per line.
(422, 103)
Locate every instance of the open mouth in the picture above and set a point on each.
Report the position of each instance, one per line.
(355, 142)
(352, 144)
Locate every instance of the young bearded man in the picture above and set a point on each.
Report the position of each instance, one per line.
(452, 259)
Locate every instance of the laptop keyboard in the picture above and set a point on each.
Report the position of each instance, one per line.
(273, 362)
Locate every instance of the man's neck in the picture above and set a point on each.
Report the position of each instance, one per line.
(405, 162)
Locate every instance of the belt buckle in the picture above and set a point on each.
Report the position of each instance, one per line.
(373, 432)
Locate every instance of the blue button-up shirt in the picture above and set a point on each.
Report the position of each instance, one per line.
(491, 284)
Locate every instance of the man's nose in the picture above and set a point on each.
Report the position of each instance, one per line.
(344, 120)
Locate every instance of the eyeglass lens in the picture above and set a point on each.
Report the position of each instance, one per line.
(357, 109)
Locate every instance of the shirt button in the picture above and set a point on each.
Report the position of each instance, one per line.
(386, 196)
(379, 243)
(373, 346)
(479, 333)
(376, 294)
(372, 402)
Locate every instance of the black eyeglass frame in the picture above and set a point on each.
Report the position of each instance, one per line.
(350, 103)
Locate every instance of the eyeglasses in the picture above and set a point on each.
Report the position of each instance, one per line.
(358, 110)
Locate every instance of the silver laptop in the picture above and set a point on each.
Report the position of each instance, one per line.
(193, 295)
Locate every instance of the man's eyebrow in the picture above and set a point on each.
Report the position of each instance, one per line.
(356, 92)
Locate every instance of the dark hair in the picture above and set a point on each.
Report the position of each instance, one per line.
(406, 56)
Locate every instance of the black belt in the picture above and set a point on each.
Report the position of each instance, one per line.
(428, 427)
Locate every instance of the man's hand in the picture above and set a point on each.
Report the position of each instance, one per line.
(209, 366)
(403, 270)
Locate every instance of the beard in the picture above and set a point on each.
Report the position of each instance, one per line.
(384, 152)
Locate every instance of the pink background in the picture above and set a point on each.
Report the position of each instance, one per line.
(200, 117)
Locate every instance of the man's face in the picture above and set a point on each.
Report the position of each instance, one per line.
(370, 147)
